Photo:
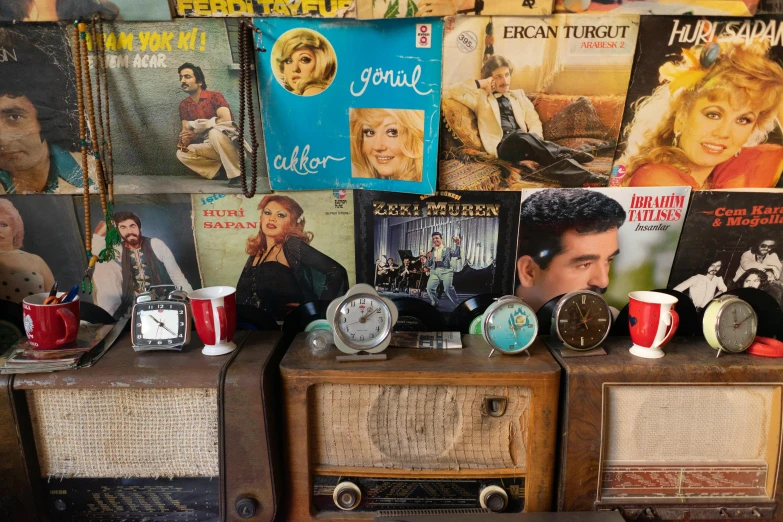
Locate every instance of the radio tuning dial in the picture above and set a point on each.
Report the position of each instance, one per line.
(246, 507)
(347, 496)
(493, 498)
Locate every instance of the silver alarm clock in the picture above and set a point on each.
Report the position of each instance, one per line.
(160, 323)
(362, 320)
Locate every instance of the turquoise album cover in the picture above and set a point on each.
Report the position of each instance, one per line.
(350, 104)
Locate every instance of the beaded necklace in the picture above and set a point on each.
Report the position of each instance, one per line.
(247, 50)
(100, 140)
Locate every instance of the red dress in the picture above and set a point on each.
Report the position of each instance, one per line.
(755, 167)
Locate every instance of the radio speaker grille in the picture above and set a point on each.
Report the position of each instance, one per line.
(682, 442)
(128, 432)
(418, 427)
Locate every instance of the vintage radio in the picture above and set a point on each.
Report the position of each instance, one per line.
(687, 436)
(480, 515)
(425, 429)
(152, 436)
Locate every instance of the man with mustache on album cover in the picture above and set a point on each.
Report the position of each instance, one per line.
(143, 262)
(510, 128)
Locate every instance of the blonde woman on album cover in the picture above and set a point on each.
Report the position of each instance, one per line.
(387, 144)
(706, 125)
(21, 273)
(306, 62)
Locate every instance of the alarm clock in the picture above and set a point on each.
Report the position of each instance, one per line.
(729, 324)
(160, 324)
(510, 325)
(581, 320)
(362, 320)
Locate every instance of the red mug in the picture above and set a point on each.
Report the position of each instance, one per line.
(215, 314)
(652, 322)
(50, 326)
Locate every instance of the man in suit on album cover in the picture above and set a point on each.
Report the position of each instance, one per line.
(209, 136)
(510, 128)
(440, 264)
(567, 242)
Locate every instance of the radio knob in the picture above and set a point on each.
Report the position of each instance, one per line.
(347, 496)
(246, 507)
(493, 498)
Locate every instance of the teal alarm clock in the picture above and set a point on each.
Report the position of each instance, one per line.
(510, 325)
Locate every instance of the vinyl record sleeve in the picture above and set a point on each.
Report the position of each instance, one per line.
(158, 248)
(730, 240)
(401, 227)
(690, 77)
(565, 91)
(660, 7)
(351, 105)
(38, 95)
(149, 103)
(268, 8)
(316, 261)
(570, 240)
(370, 9)
(70, 10)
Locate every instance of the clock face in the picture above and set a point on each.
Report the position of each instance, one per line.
(511, 327)
(582, 320)
(158, 323)
(736, 326)
(363, 321)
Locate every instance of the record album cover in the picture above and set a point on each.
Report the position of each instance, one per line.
(612, 241)
(730, 240)
(351, 105)
(369, 9)
(660, 7)
(267, 8)
(70, 10)
(39, 132)
(278, 250)
(174, 99)
(157, 248)
(533, 101)
(40, 243)
(704, 105)
(441, 249)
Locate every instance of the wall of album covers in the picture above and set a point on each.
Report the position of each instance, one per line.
(544, 146)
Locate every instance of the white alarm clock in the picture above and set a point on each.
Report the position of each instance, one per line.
(362, 320)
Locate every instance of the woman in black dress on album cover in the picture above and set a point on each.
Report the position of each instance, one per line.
(283, 270)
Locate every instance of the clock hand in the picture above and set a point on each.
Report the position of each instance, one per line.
(737, 325)
(161, 325)
(580, 311)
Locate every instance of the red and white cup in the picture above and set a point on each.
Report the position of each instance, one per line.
(215, 314)
(652, 322)
(50, 326)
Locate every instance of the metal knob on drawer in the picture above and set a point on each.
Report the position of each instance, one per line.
(347, 496)
(494, 498)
